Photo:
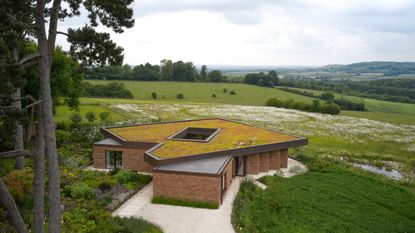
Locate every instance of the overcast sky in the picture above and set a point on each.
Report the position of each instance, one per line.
(268, 32)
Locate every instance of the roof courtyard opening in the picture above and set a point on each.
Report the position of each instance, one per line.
(195, 134)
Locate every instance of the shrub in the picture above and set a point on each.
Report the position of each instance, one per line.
(105, 186)
(86, 133)
(154, 95)
(213, 96)
(90, 116)
(225, 90)
(62, 125)
(114, 171)
(315, 106)
(180, 96)
(76, 119)
(112, 89)
(233, 92)
(125, 176)
(20, 183)
(62, 136)
(179, 202)
(104, 116)
(79, 190)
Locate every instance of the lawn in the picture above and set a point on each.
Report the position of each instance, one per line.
(63, 113)
(336, 199)
(202, 92)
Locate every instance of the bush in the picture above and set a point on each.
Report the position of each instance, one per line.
(225, 90)
(79, 190)
(86, 133)
(125, 176)
(233, 92)
(154, 95)
(189, 203)
(62, 136)
(112, 90)
(213, 96)
(180, 96)
(105, 186)
(76, 119)
(20, 183)
(315, 106)
(104, 116)
(62, 125)
(114, 171)
(90, 116)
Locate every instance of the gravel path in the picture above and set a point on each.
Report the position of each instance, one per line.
(173, 219)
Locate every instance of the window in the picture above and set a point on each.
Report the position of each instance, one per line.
(195, 134)
(113, 159)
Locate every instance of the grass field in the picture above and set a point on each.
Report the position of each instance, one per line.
(202, 92)
(63, 113)
(393, 112)
(336, 199)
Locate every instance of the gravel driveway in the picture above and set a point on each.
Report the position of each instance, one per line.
(174, 219)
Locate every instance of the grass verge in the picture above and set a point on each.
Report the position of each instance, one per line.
(188, 203)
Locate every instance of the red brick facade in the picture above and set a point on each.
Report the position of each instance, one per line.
(188, 187)
(264, 162)
(274, 160)
(133, 158)
(284, 158)
(252, 164)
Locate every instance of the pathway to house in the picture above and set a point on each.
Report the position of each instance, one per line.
(173, 219)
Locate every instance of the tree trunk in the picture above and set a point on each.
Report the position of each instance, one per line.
(18, 134)
(12, 209)
(38, 183)
(29, 128)
(54, 199)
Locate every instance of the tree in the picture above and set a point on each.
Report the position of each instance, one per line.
(274, 77)
(104, 116)
(329, 96)
(166, 70)
(215, 76)
(39, 19)
(203, 72)
(153, 95)
(90, 116)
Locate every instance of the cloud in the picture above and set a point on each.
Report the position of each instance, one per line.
(268, 32)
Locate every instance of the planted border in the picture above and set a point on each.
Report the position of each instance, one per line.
(187, 203)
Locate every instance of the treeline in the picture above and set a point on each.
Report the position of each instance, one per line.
(261, 79)
(397, 90)
(166, 71)
(329, 96)
(110, 90)
(315, 106)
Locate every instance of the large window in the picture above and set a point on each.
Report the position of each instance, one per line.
(113, 159)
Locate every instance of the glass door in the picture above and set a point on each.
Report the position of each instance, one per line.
(113, 159)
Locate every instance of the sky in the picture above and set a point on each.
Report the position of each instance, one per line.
(266, 32)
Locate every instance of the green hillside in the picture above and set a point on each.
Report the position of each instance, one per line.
(386, 68)
(202, 92)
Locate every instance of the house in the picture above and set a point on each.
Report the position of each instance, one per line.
(194, 159)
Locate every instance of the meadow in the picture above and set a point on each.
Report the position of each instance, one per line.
(391, 112)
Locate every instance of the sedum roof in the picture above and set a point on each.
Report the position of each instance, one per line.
(232, 135)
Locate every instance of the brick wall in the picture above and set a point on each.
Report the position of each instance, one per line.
(264, 162)
(133, 158)
(274, 160)
(188, 187)
(228, 170)
(252, 164)
(284, 158)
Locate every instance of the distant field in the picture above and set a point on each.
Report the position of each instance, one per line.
(202, 92)
(392, 112)
(63, 113)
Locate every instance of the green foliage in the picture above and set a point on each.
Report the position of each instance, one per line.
(233, 92)
(315, 106)
(105, 116)
(105, 186)
(339, 199)
(146, 72)
(153, 95)
(72, 154)
(213, 95)
(20, 183)
(76, 119)
(112, 90)
(225, 90)
(62, 137)
(5, 224)
(90, 116)
(86, 133)
(179, 96)
(327, 96)
(79, 190)
(126, 176)
(215, 76)
(189, 203)
(262, 79)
